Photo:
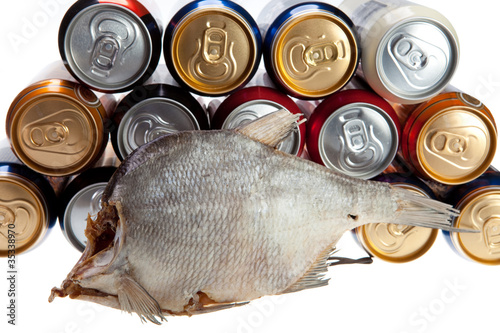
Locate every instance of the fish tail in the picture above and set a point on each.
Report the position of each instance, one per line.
(420, 211)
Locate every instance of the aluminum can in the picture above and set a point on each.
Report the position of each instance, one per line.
(450, 139)
(58, 127)
(151, 111)
(393, 242)
(251, 103)
(311, 50)
(81, 198)
(479, 205)
(110, 45)
(410, 52)
(27, 210)
(212, 47)
(354, 132)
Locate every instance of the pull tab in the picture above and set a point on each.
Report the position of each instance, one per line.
(320, 54)
(355, 135)
(148, 127)
(420, 63)
(214, 45)
(95, 203)
(449, 144)
(491, 231)
(48, 134)
(22, 214)
(105, 52)
(392, 236)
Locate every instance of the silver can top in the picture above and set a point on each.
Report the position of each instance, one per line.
(359, 140)
(84, 202)
(255, 109)
(108, 47)
(150, 119)
(417, 58)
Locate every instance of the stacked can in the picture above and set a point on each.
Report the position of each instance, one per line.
(394, 242)
(27, 210)
(212, 47)
(151, 111)
(410, 52)
(354, 132)
(110, 45)
(479, 205)
(311, 50)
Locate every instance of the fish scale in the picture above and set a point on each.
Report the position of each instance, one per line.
(208, 220)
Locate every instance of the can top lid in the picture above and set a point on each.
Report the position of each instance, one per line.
(23, 208)
(397, 243)
(416, 59)
(359, 140)
(107, 47)
(56, 130)
(255, 109)
(150, 119)
(86, 201)
(480, 211)
(214, 50)
(456, 144)
(314, 54)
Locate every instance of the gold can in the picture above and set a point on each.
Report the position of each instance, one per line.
(451, 139)
(394, 242)
(57, 127)
(311, 51)
(26, 206)
(479, 205)
(212, 48)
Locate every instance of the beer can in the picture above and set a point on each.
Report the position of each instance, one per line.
(57, 127)
(151, 111)
(27, 210)
(479, 205)
(451, 139)
(212, 47)
(311, 50)
(81, 198)
(354, 132)
(251, 103)
(394, 242)
(110, 45)
(410, 52)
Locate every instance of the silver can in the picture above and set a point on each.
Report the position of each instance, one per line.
(151, 111)
(354, 132)
(410, 52)
(110, 46)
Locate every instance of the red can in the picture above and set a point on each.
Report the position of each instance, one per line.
(354, 132)
(251, 103)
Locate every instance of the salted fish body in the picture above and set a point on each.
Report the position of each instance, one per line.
(205, 220)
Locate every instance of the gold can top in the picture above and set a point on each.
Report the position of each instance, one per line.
(480, 211)
(314, 54)
(23, 214)
(457, 143)
(214, 50)
(56, 127)
(394, 242)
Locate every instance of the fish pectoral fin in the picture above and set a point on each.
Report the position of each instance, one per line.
(272, 128)
(134, 298)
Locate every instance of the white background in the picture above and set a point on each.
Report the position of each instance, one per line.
(436, 293)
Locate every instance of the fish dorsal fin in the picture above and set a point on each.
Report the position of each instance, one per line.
(272, 128)
(134, 298)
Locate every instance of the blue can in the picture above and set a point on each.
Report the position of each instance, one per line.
(311, 50)
(479, 205)
(27, 211)
(212, 47)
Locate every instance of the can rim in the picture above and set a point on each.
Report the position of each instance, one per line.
(80, 74)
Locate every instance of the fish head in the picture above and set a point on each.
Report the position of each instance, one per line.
(94, 276)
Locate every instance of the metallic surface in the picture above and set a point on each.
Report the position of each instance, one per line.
(86, 201)
(213, 49)
(151, 119)
(252, 110)
(397, 243)
(57, 127)
(314, 54)
(359, 140)
(107, 46)
(451, 139)
(22, 206)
